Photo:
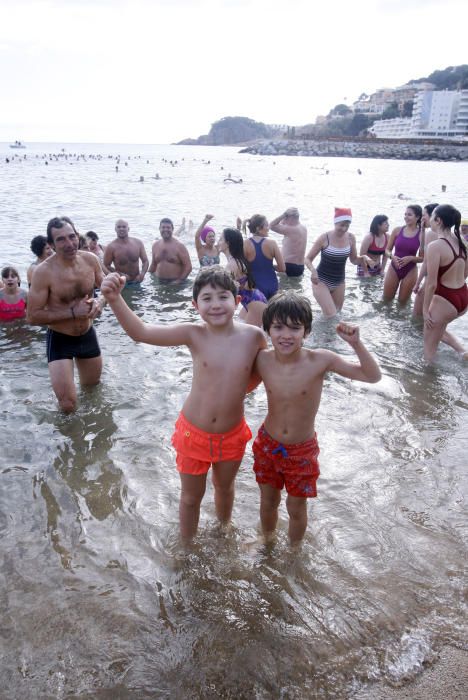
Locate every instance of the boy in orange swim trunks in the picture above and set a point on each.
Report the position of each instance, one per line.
(211, 430)
(286, 448)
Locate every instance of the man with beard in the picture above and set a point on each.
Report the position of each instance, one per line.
(170, 258)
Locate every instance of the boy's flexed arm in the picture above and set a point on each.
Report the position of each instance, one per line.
(178, 334)
(367, 370)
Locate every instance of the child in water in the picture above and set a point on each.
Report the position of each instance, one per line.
(286, 448)
(211, 429)
(13, 300)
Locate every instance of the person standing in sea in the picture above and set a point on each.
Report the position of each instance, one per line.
(294, 240)
(123, 255)
(260, 252)
(42, 250)
(61, 297)
(170, 260)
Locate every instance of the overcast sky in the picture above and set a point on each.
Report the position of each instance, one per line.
(156, 71)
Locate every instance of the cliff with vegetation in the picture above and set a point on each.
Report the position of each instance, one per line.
(231, 131)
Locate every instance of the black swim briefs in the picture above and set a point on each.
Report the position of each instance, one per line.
(65, 347)
(294, 270)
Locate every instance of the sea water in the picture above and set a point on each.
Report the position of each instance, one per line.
(97, 597)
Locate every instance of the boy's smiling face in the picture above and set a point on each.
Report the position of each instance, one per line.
(216, 305)
(287, 338)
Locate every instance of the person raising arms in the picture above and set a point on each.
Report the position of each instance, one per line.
(446, 295)
(294, 240)
(205, 237)
(211, 430)
(286, 448)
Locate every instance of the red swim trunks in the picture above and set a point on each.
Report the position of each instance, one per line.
(198, 450)
(294, 466)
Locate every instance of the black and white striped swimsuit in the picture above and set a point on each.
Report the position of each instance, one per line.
(331, 269)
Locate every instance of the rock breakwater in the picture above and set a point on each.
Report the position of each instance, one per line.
(330, 148)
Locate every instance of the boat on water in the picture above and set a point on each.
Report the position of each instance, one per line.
(17, 144)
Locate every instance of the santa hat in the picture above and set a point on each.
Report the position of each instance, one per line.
(342, 214)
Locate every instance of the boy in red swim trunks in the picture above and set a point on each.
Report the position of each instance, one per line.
(286, 448)
(211, 430)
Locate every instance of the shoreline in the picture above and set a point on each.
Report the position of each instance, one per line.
(446, 678)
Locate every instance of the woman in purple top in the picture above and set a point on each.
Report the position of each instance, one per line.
(408, 244)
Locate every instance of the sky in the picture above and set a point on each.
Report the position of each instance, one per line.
(157, 71)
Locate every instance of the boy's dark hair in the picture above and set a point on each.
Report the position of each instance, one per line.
(215, 276)
(38, 244)
(92, 235)
(288, 307)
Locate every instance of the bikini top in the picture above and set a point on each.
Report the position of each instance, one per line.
(376, 250)
(443, 268)
(207, 260)
(8, 312)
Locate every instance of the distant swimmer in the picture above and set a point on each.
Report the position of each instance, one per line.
(231, 179)
(142, 179)
(124, 253)
(359, 172)
(444, 188)
(289, 178)
(156, 177)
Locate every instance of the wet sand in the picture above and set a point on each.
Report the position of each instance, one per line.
(447, 678)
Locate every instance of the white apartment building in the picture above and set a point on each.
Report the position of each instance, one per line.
(437, 114)
(398, 128)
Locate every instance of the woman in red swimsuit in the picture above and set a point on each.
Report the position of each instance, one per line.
(446, 295)
(13, 300)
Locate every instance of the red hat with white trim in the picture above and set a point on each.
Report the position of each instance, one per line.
(342, 214)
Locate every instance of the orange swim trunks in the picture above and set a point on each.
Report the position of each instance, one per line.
(198, 450)
(294, 466)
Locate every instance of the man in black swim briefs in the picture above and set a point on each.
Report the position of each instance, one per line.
(294, 241)
(61, 297)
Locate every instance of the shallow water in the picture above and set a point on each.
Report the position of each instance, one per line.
(97, 598)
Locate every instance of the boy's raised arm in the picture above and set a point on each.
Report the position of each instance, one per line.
(178, 334)
(367, 370)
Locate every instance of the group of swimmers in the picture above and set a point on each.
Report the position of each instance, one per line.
(211, 430)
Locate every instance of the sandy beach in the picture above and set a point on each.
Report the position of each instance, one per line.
(446, 678)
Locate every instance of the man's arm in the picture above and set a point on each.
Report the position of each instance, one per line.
(276, 224)
(108, 261)
(38, 315)
(185, 262)
(154, 259)
(144, 263)
(173, 334)
(367, 370)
